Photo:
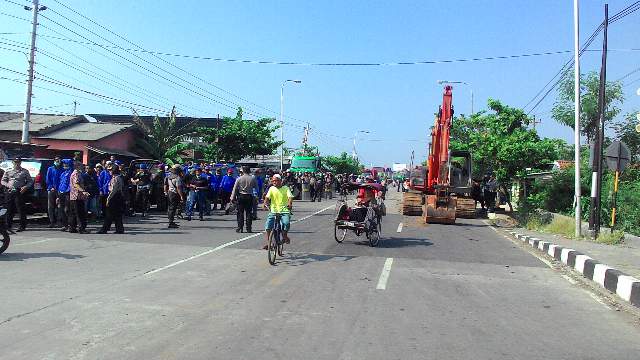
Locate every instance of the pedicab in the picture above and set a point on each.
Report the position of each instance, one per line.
(363, 218)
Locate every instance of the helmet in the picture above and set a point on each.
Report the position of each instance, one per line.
(143, 166)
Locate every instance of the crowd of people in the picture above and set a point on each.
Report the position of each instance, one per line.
(110, 190)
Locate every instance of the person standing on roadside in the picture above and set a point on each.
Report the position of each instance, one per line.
(90, 180)
(115, 205)
(173, 191)
(242, 192)
(77, 197)
(214, 187)
(104, 177)
(142, 182)
(51, 182)
(63, 193)
(226, 187)
(17, 181)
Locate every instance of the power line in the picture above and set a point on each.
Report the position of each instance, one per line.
(266, 62)
(220, 100)
(621, 14)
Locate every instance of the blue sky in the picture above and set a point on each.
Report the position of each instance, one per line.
(395, 103)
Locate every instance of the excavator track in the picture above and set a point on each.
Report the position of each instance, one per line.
(412, 204)
(465, 208)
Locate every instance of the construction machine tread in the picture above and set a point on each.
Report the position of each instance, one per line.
(412, 204)
(465, 208)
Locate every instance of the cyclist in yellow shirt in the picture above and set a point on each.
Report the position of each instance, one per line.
(279, 200)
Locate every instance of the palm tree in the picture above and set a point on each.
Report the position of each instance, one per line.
(164, 140)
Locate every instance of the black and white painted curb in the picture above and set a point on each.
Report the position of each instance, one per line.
(625, 286)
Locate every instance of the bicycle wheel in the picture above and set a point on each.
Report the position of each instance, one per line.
(272, 247)
(339, 234)
(280, 242)
(4, 241)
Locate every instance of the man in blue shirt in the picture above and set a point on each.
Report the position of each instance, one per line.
(63, 193)
(214, 187)
(104, 178)
(226, 187)
(51, 181)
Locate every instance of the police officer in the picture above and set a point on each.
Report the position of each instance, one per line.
(17, 181)
(142, 181)
(173, 190)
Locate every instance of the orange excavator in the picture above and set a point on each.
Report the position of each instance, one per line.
(445, 193)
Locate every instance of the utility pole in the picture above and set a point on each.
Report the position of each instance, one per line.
(596, 178)
(32, 53)
(576, 135)
(75, 105)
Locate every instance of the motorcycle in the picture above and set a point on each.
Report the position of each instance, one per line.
(4, 234)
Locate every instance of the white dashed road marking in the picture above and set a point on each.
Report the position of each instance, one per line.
(384, 275)
(400, 227)
(220, 247)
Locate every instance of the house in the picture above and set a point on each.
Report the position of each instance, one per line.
(65, 135)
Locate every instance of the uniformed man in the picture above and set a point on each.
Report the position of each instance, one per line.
(142, 181)
(17, 181)
(173, 190)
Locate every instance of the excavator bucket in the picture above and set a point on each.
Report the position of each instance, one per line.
(435, 213)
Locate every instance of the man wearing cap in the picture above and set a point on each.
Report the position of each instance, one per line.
(51, 182)
(214, 187)
(142, 181)
(226, 187)
(17, 181)
(197, 191)
(104, 177)
(173, 191)
(243, 193)
(77, 198)
(209, 195)
(279, 200)
(63, 193)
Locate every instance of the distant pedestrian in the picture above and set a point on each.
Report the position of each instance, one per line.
(64, 188)
(17, 182)
(173, 189)
(77, 197)
(51, 182)
(115, 205)
(226, 187)
(243, 193)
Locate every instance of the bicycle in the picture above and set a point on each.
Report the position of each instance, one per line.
(276, 241)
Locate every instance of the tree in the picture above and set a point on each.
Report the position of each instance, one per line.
(342, 164)
(238, 138)
(563, 109)
(625, 131)
(164, 139)
(501, 142)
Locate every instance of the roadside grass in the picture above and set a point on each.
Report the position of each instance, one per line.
(609, 238)
(565, 226)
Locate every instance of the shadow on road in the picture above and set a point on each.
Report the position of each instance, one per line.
(404, 242)
(304, 259)
(26, 256)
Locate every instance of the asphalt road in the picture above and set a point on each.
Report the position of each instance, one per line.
(206, 292)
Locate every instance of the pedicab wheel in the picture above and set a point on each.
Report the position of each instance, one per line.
(272, 248)
(339, 234)
(4, 241)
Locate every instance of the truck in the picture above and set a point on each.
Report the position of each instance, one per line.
(302, 164)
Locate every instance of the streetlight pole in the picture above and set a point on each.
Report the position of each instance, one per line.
(354, 154)
(576, 135)
(459, 82)
(282, 120)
